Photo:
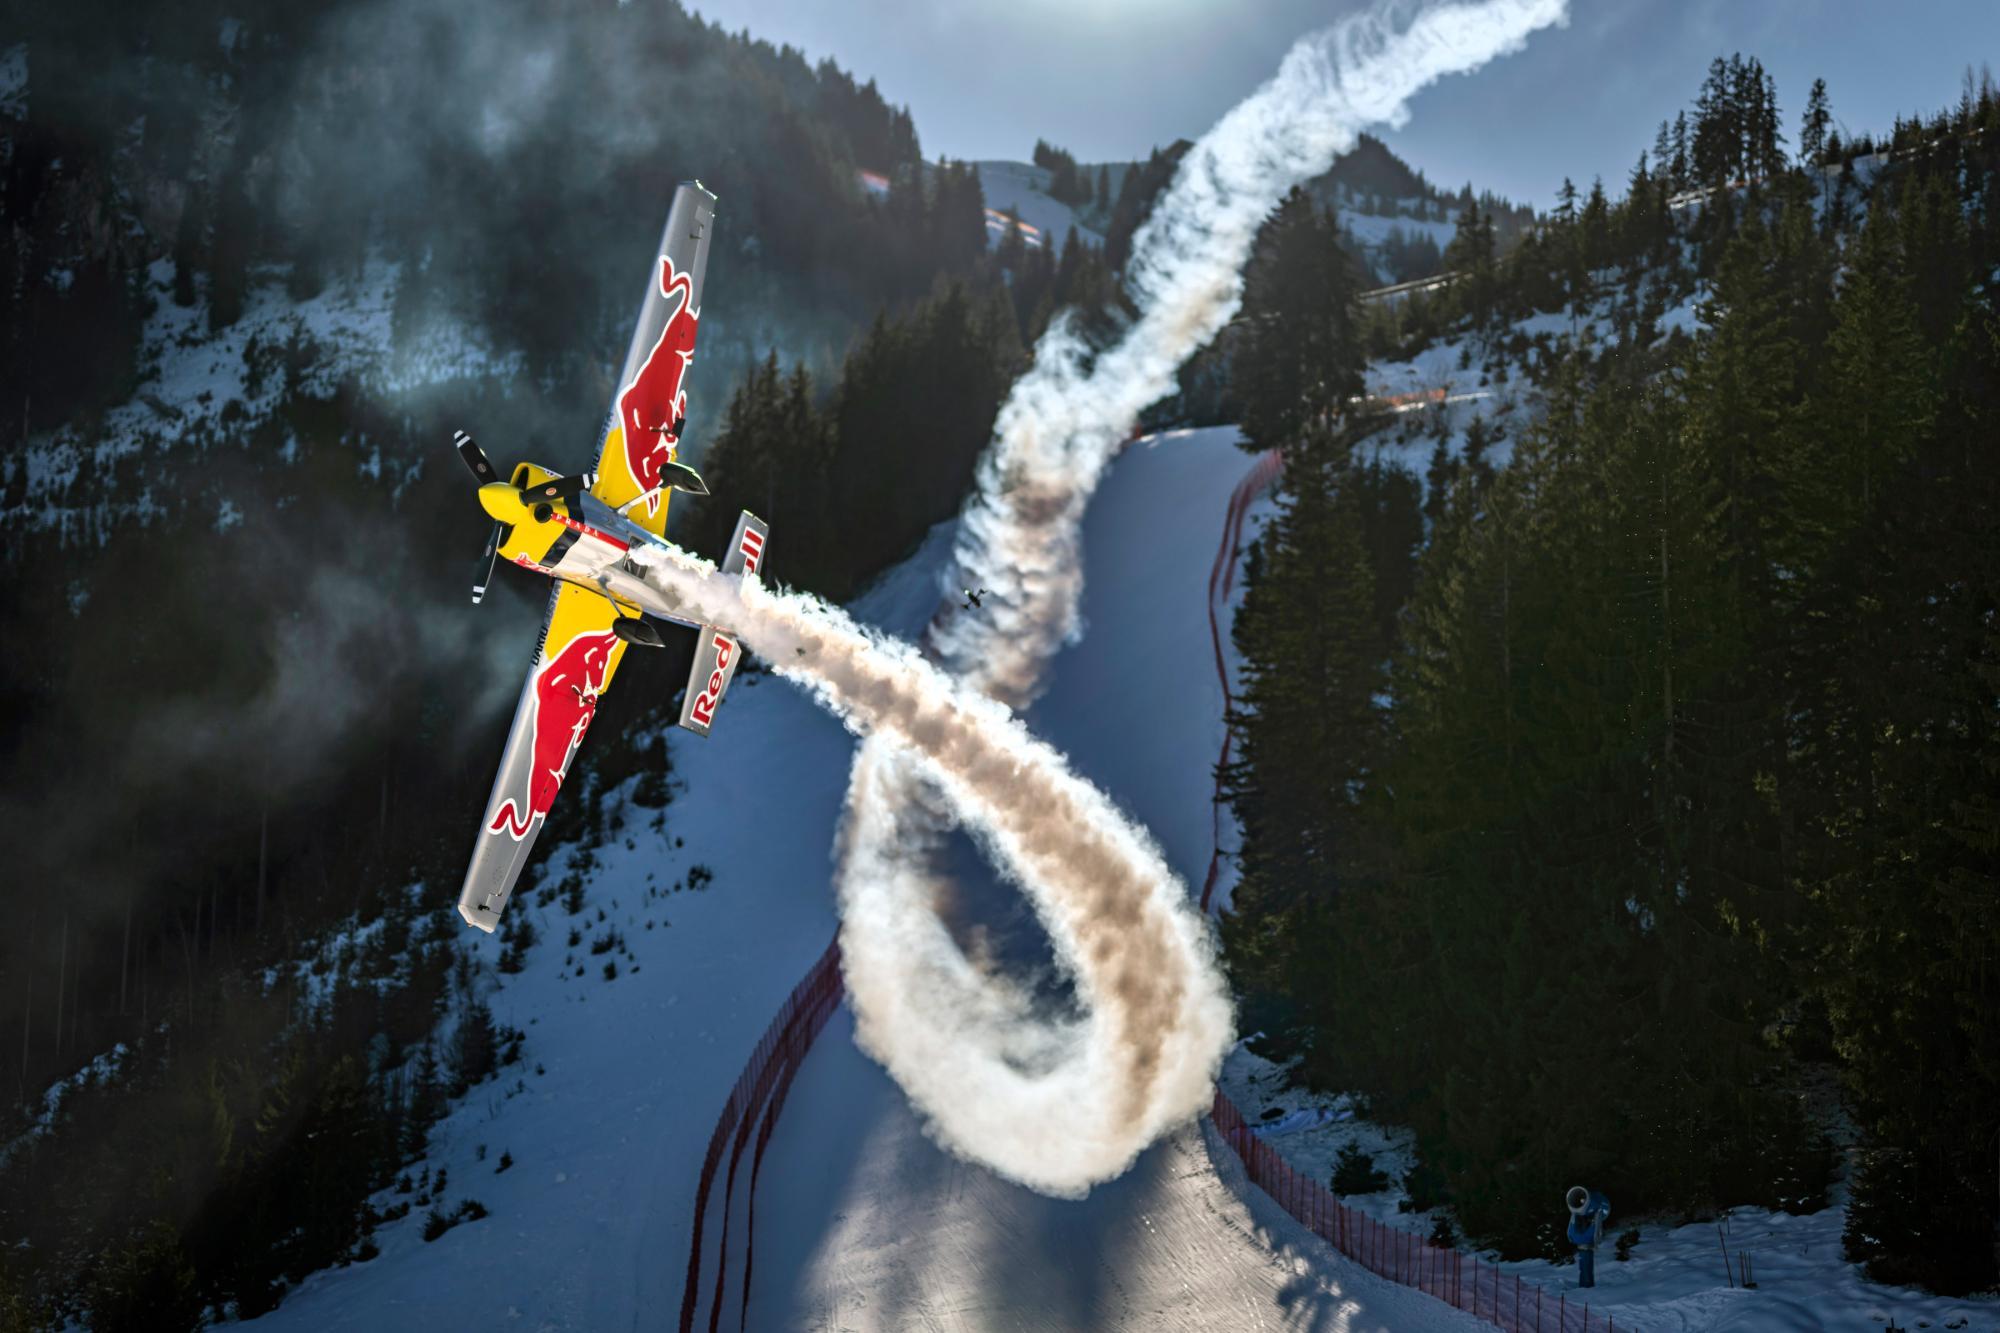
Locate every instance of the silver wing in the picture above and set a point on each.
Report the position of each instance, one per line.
(579, 650)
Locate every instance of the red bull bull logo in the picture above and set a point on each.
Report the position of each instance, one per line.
(566, 690)
(652, 406)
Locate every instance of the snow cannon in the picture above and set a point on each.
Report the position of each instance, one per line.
(1587, 1208)
(1588, 1211)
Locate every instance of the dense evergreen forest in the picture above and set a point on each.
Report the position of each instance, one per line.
(243, 760)
(1619, 800)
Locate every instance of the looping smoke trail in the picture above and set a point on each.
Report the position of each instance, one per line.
(1119, 917)
(1062, 1107)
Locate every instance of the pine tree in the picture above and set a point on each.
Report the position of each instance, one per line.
(1716, 149)
(187, 249)
(1813, 126)
(956, 217)
(474, 1047)
(146, 1285)
(1299, 359)
(427, 1099)
(1897, 672)
(1310, 734)
(1681, 165)
(1594, 228)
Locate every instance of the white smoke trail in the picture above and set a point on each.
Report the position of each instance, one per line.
(1062, 422)
(1042, 1103)
(1120, 919)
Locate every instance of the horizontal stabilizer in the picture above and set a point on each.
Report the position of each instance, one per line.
(715, 656)
(746, 548)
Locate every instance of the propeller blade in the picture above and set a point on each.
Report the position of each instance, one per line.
(487, 561)
(682, 478)
(475, 457)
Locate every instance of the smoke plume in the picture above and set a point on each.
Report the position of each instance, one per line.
(1058, 1105)
(1063, 1106)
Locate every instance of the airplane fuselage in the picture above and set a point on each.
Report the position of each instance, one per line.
(572, 541)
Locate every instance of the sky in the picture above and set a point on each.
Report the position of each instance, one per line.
(1110, 79)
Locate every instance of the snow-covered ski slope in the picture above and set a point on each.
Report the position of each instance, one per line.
(608, 1114)
(1022, 187)
(863, 1223)
(589, 1225)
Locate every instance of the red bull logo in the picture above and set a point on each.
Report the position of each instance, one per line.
(703, 710)
(566, 690)
(651, 407)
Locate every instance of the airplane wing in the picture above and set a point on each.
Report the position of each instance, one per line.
(718, 650)
(651, 406)
(573, 667)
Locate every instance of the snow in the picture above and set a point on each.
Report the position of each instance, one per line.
(1258, 1086)
(608, 1114)
(589, 1227)
(1372, 230)
(193, 383)
(103, 1067)
(1674, 1280)
(1020, 186)
(863, 1223)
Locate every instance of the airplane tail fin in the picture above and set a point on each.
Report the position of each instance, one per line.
(718, 650)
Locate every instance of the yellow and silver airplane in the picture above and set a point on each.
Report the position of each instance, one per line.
(580, 531)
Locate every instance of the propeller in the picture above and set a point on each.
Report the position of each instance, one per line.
(482, 470)
(475, 457)
(510, 504)
(487, 561)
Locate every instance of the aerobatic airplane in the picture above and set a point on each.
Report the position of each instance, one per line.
(580, 531)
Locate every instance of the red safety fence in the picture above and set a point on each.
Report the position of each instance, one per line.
(760, 1090)
(1221, 581)
(1453, 1276)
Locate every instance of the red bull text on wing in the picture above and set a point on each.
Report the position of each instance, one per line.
(711, 693)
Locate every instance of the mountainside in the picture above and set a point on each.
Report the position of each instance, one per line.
(1580, 732)
(257, 272)
(1391, 218)
(1735, 741)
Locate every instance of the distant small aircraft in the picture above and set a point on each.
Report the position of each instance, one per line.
(580, 531)
(972, 598)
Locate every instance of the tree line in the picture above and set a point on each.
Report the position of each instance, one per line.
(851, 475)
(1593, 801)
